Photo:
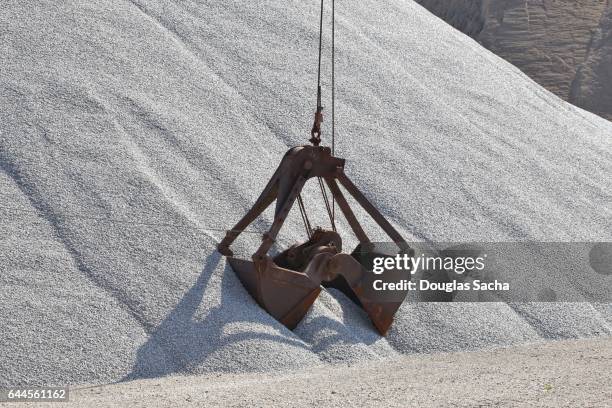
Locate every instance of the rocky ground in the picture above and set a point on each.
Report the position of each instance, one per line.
(557, 374)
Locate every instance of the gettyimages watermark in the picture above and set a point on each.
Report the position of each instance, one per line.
(413, 264)
(488, 271)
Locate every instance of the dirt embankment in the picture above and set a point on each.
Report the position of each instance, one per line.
(566, 46)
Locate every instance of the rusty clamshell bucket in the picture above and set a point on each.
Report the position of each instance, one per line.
(287, 285)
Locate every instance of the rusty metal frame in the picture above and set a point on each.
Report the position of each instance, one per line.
(299, 165)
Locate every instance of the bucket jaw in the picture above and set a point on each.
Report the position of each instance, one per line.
(285, 294)
(287, 285)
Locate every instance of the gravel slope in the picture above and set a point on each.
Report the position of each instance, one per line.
(133, 132)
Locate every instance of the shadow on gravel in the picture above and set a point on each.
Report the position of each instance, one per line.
(183, 340)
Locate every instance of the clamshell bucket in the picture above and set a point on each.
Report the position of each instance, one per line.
(287, 285)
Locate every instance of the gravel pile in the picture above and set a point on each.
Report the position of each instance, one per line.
(133, 132)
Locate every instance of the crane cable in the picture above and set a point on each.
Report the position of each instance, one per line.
(333, 96)
(320, 52)
(304, 215)
(331, 209)
(315, 133)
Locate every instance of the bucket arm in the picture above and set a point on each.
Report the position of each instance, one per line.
(299, 165)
